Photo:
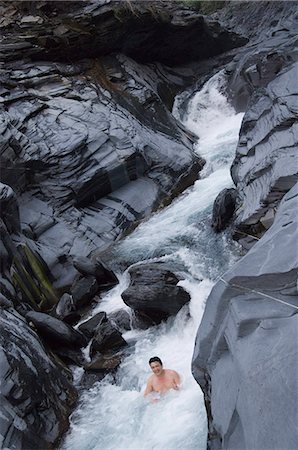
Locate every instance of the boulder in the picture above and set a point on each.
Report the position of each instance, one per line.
(36, 393)
(103, 276)
(65, 309)
(104, 363)
(83, 291)
(153, 291)
(70, 356)
(245, 357)
(121, 319)
(89, 327)
(223, 209)
(9, 208)
(55, 332)
(106, 338)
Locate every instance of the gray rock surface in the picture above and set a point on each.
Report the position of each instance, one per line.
(55, 332)
(246, 352)
(37, 395)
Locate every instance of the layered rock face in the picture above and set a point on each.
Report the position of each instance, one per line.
(37, 395)
(263, 82)
(245, 357)
(88, 148)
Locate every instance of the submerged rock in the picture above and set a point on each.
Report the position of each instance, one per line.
(36, 394)
(245, 357)
(153, 291)
(104, 363)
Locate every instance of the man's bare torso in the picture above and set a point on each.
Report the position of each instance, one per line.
(164, 383)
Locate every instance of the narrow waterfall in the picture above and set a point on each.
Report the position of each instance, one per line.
(113, 415)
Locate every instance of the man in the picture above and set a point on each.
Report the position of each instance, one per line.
(162, 379)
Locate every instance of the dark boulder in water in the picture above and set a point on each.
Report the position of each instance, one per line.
(223, 209)
(106, 337)
(153, 291)
(121, 319)
(104, 363)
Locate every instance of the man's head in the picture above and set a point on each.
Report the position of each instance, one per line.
(156, 365)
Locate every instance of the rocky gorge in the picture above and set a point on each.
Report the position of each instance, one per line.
(90, 148)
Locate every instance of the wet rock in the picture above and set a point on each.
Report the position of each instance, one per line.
(104, 363)
(55, 332)
(122, 319)
(9, 208)
(90, 378)
(165, 38)
(245, 348)
(223, 209)
(5, 303)
(153, 291)
(66, 310)
(103, 276)
(89, 327)
(70, 356)
(106, 337)
(84, 291)
(36, 395)
(266, 163)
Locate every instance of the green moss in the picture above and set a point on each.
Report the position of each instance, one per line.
(30, 277)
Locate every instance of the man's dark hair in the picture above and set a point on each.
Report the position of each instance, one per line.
(155, 359)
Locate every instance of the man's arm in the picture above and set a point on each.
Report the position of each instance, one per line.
(149, 387)
(177, 380)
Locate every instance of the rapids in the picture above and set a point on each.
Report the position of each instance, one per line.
(113, 415)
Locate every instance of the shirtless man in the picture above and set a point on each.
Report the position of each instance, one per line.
(162, 379)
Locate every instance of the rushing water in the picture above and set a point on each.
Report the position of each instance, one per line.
(113, 415)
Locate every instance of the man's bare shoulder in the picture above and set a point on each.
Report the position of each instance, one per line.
(171, 372)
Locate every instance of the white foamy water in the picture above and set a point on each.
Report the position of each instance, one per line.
(113, 415)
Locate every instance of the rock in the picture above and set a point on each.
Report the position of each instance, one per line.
(104, 363)
(266, 163)
(121, 319)
(245, 357)
(103, 276)
(90, 378)
(36, 394)
(70, 356)
(106, 338)
(66, 310)
(89, 327)
(55, 332)
(153, 291)
(9, 208)
(223, 209)
(83, 291)
(5, 303)
(168, 44)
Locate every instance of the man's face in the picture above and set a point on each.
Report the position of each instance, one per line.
(156, 368)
